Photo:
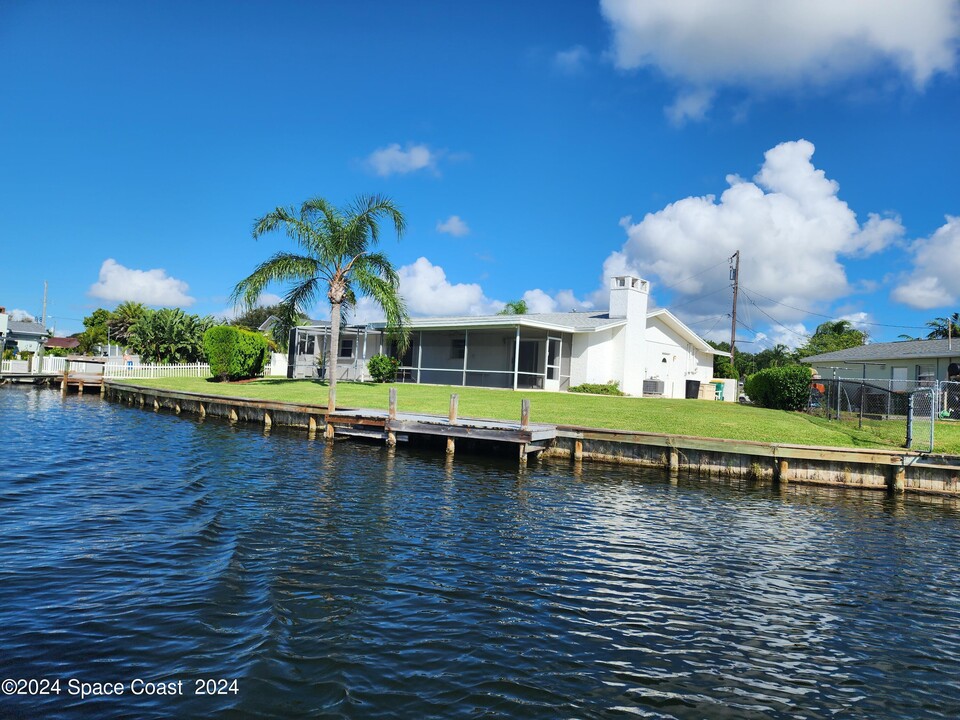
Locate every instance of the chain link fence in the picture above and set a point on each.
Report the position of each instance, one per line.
(898, 412)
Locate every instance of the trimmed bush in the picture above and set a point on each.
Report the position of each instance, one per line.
(383, 368)
(610, 388)
(234, 353)
(780, 388)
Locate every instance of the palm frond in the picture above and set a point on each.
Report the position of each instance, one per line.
(282, 267)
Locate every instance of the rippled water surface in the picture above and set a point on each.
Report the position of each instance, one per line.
(346, 581)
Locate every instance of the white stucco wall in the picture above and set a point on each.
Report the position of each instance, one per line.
(593, 355)
(683, 361)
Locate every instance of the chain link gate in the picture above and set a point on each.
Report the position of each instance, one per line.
(949, 399)
(887, 412)
(921, 417)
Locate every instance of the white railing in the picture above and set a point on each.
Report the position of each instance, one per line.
(53, 364)
(145, 372)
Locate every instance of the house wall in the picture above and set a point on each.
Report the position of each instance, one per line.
(593, 357)
(886, 369)
(683, 361)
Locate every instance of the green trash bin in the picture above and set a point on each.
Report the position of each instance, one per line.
(719, 391)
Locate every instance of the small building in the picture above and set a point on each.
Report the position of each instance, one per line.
(903, 365)
(647, 353)
(21, 336)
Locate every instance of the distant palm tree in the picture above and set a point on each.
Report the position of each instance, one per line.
(514, 307)
(169, 335)
(123, 318)
(944, 327)
(336, 261)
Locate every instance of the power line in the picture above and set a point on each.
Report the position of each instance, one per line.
(701, 297)
(805, 336)
(669, 287)
(832, 317)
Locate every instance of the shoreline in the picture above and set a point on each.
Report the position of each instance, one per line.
(877, 469)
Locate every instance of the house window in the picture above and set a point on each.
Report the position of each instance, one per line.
(926, 373)
(458, 348)
(346, 348)
(305, 345)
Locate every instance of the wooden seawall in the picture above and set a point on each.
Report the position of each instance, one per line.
(888, 470)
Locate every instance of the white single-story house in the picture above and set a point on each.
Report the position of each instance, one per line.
(906, 363)
(647, 353)
(21, 336)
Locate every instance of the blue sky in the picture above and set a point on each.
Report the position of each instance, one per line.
(535, 148)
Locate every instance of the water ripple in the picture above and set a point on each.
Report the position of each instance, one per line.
(346, 581)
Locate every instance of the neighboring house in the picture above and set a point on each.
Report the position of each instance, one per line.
(647, 353)
(21, 336)
(907, 363)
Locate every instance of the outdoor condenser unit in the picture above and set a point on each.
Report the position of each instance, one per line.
(653, 387)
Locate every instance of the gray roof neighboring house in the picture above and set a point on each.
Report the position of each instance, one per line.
(18, 327)
(901, 350)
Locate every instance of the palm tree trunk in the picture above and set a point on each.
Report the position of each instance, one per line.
(333, 351)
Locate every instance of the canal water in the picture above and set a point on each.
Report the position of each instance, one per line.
(200, 569)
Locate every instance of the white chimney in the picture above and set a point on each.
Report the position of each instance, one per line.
(628, 297)
(628, 300)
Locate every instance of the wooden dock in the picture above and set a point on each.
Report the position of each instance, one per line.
(391, 426)
(82, 375)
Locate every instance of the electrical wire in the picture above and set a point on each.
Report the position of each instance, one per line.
(831, 317)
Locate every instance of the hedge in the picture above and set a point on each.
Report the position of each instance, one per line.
(780, 388)
(234, 353)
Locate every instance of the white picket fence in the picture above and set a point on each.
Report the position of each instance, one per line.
(277, 366)
(144, 372)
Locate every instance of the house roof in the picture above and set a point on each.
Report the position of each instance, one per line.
(576, 322)
(901, 350)
(67, 343)
(18, 327)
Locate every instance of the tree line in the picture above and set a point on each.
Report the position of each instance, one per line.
(829, 336)
(167, 335)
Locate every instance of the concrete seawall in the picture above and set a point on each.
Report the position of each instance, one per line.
(887, 470)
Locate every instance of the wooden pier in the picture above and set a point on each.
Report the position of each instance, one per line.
(392, 426)
(388, 426)
(85, 376)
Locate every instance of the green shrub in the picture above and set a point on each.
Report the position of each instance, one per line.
(780, 388)
(610, 388)
(383, 368)
(234, 353)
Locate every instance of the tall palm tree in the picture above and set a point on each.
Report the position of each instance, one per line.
(336, 260)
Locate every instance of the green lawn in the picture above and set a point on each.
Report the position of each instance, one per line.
(702, 418)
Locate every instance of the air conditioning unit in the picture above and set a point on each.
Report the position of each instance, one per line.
(653, 387)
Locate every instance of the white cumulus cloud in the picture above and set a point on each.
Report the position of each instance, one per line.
(18, 315)
(395, 160)
(790, 227)
(932, 282)
(757, 43)
(151, 287)
(539, 301)
(453, 225)
(428, 292)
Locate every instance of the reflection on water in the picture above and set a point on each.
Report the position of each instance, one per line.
(348, 580)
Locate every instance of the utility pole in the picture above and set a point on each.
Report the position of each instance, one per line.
(735, 280)
(43, 315)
